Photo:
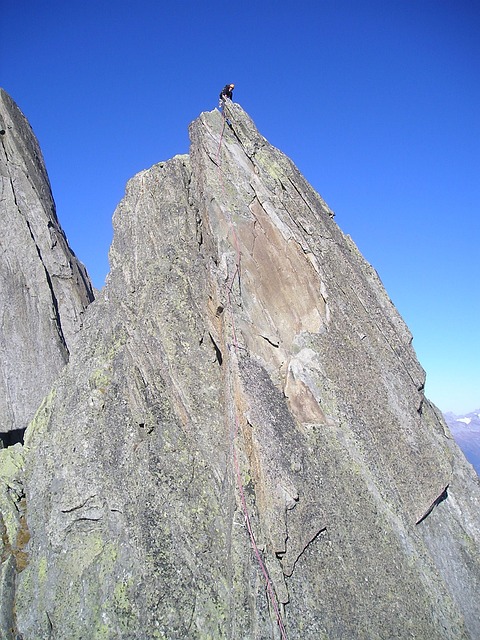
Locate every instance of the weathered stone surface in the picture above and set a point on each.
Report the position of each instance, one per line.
(44, 289)
(243, 358)
(14, 534)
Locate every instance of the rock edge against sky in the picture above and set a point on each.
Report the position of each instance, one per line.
(243, 358)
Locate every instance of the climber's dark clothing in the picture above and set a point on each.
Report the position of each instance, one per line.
(227, 92)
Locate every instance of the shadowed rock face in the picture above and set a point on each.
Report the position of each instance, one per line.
(44, 289)
(243, 400)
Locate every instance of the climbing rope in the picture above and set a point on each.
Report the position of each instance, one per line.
(229, 287)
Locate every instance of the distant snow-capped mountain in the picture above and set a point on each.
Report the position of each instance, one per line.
(466, 431)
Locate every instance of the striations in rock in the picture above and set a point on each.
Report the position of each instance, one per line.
(239, 446)
(44, 289)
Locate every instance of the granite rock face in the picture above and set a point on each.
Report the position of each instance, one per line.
(44, 289)
(240, 446)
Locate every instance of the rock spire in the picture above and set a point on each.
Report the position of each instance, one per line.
(44, 289)
(239, 445)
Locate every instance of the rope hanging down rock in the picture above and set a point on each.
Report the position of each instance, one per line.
(229, 286)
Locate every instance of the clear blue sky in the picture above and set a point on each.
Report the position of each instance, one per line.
(377, 102)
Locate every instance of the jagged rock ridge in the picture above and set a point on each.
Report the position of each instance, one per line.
(44, 289)
(243, 356)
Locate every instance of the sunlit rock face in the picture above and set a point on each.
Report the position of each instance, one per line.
(239, 446)
(44, 289)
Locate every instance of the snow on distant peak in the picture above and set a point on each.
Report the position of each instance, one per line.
(465, 420)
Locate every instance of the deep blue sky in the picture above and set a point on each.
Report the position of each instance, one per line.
(377, 102)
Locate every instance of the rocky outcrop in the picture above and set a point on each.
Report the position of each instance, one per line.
(44, 289)
(239, 446)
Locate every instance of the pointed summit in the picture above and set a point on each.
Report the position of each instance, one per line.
(240, 446)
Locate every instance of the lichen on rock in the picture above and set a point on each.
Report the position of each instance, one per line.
(239, 445)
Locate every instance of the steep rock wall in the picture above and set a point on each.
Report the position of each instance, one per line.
(240, 446)
(44, 289)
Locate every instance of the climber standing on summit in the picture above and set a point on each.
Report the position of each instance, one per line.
(226, 92)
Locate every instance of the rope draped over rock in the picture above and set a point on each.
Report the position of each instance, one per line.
(229, 286)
